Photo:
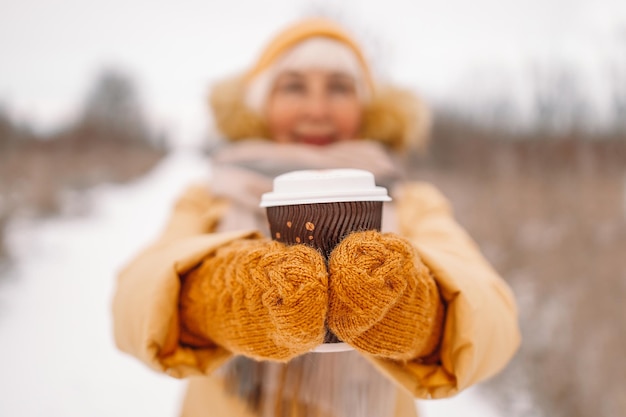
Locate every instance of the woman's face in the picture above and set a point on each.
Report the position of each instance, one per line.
(315, 107)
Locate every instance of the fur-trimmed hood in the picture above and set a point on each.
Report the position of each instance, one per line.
(393, 116)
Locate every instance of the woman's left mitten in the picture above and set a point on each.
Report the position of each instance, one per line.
(382, 298)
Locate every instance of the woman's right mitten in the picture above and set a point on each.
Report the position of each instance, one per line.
(257, 298)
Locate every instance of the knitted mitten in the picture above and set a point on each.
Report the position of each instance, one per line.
(257, 298)
(383, 300)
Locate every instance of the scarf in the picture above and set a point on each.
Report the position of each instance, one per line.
(243, 171)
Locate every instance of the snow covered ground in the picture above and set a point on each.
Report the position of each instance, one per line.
(57, 356)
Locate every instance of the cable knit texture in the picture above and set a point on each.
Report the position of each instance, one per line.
(257, 298)
(383, 300)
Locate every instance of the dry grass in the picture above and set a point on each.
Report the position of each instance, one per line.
(35, 174)
(551, 216)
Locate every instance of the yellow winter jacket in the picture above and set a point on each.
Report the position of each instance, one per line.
(481, 331)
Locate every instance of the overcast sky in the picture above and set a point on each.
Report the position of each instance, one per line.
(51, 51)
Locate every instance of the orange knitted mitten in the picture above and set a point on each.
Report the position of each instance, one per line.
(257, 298)
(383, 300)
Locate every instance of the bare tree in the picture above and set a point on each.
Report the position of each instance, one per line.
(560, 101)
(8, 131)
(617, 80)
(112, 109)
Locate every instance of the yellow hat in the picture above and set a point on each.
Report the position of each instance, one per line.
(313, 43)
(301, 31)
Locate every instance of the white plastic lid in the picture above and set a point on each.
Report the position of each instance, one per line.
(324, 186)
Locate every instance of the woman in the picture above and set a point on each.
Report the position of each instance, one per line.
(216, 301)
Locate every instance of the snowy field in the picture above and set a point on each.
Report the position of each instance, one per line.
(57, 354)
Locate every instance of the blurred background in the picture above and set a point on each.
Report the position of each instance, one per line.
(103, 120)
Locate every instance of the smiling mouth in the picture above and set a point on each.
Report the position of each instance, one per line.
(318, 140)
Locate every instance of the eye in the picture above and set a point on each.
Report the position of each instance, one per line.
(341, 87)
(292, 86)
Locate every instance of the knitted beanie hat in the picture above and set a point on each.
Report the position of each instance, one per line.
(313, 43)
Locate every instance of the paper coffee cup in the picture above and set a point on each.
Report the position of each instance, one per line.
(321, 207)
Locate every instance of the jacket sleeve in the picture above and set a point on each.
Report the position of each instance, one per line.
(145, 301)
(481, 332)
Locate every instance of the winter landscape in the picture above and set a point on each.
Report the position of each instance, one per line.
(98, 137)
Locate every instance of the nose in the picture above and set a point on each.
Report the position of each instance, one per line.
(317, 106)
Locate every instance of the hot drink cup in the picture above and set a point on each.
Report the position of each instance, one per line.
(319, 208)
